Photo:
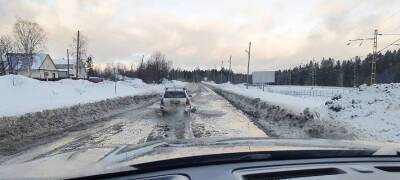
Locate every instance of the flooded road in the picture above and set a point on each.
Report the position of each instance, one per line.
(214, 117)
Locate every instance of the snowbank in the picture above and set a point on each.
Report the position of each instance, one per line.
(372, 111)
(279, 121)
(21, 132)
(19, 94)
(294, 104)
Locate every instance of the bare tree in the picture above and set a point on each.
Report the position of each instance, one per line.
(6, 46)
(155, 69)
(89, 66)
(29, 36)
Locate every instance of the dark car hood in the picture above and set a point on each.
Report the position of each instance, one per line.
(95, 160)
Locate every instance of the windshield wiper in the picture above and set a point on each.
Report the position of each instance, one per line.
(250, 157)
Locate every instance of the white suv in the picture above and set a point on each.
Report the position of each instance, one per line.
(174, 98)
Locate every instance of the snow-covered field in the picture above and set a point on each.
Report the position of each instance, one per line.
(370, 113)
(19, 94)
(309, 92)
(313, 92)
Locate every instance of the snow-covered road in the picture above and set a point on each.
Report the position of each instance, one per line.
(215, 117)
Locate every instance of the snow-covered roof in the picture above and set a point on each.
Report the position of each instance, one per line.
(23, 61)
(64, 61)
(65, 67)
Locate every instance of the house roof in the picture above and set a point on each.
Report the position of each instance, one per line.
(64, 61)
(62, 64)
(24, 61)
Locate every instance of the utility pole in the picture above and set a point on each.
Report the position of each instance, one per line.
(222, 66)
(374, 51)
(248, 65)
(77, 56)
(313, 72)
(215, 73)
(68, 64)
(115, 80)
(373, 63)
(230, 69)
(355, 73)
(341, 77)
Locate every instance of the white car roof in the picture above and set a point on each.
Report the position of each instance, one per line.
(175, 89)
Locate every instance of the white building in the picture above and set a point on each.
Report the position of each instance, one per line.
(263, 77)
(37, 65)
(62, 67)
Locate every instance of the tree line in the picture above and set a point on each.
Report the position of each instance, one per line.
(347, 73)
(157, 68)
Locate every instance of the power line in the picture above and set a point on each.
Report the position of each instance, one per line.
(374, 50)
(389, 34)
(391, 44)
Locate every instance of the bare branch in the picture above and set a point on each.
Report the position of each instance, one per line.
(29, 36)
(6, 46)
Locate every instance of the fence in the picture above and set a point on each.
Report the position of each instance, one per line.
(317, 91)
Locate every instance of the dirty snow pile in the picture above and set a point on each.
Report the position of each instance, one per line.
(369, 112)
(19, 94)
(373, 112)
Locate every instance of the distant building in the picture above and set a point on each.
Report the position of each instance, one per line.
(62, 67)
(37, 65)
(2, 65)
(263, 77)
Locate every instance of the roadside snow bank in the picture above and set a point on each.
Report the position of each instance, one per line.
(20, 132)
(20, 95)
(369, 112)
(282, 115)
(296, 105)
(373, 112)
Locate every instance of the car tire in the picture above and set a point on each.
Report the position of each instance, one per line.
(163, 112)
(187, 113)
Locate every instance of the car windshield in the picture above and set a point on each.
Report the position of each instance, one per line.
(86, 86)
(174, 94)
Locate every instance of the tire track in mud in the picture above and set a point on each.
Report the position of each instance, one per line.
(215, 117)
(178, 125)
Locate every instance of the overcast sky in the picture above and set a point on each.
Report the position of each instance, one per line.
(204, 32)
